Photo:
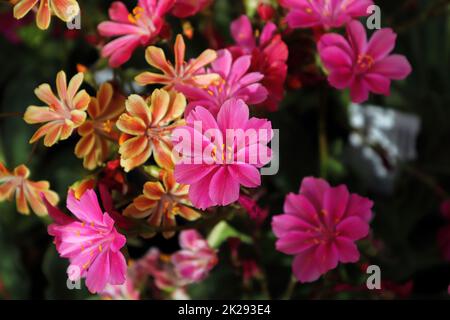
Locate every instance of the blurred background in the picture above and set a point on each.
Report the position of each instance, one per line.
(395, 150)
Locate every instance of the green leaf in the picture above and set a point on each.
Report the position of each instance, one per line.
(222, 231)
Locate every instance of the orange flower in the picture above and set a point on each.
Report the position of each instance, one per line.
(161, 201)
(185, 73)
(27, 192)
(147, 126)
(66, 10)
(61, 115)
(97, 132)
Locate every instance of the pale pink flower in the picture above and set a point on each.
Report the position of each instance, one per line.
(188, 8)
(90, 241)
(236, 82)
(320, 226)
(361, 65)
(269, 56)
(139, 28)
(195, 259)
(224, 163)
(324, 13)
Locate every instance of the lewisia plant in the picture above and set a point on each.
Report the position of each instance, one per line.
(167, 187)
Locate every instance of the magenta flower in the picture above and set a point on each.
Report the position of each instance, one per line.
(188, 8)
(269, 56)
(139, 28)
(324, 13)
(361, 65)
(237, 82)
(195, 259)
(255, 212)
(90, 242)
(221, 161)
(320, 226)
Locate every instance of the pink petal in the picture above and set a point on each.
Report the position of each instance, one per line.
(314, 189)
(395, 67)
(242, 32)
(245, 174)
(118, 268)
(199, 192)
(357, 36)
(381, 44)
(98, 273)
(353, 228)
(348, 252)
(224, 189)
(305, 267)
(233, 115)
(359, 91)
(335, 202)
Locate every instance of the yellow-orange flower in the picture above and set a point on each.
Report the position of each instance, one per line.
(61, 115)
(66, 10)
(147, 126)
(27, 193)
(98, 131)
(161, 202)
(186, 73)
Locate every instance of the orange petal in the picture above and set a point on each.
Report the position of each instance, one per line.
(176, 108)
(168, 222)
(21, 201)
(52, 136)
(205, 80)
(45, 94)
(85, 145)
(129, 164)
(180, 50)
(145, 78)
(22, 171)
(43, 15)
(205, 58)
(136, 106)
(133, 147)
(154, 190)
(189, 213)
(156, 58)
(159, 105)
(61, 84)
(163, 154)
(7, 190)
(66, 10)
(81, 100)
(35, 114)
(74, 86)
(132, 211)
(142, 203)
(34, 201)
(131, 125)
(23, 7)
(78, 117)
(104, 95)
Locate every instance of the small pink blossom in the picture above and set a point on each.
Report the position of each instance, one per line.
(195, 259)
(236, 82)
(188, 8)
(225, 162)
(320, 226)
(269, 56)
(324, 13)
(90, 241)
(139, 28)
(361, 65)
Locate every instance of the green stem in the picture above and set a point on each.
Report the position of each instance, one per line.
(290, 288)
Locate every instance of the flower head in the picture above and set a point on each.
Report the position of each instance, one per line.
(61, 114)
(220, 155)
(236, 82)
(147, 126)
(97, 132)
(161, 202)
(90, 241)
(184, 73)
(27, 192)
(195, 259)
(361, 65)
(319, 227)
(255, 212)
(66, 10)
(269, 56)
(188, 8)
(324, 13)
(139, 28)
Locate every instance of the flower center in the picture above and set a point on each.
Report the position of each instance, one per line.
(136, 15)
(364, 62)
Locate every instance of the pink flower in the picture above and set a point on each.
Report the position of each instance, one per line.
(139, 28)
(255, 212)
(361, 65)
(269, 56)
(90, 242)
(236, 82)
(319, 227)
(325, 13)
(187, 8)
(195, 259)
(224, 162)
